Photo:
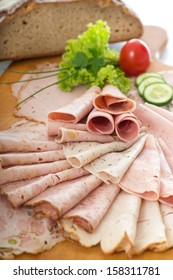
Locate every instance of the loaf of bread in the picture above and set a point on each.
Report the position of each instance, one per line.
(42, 27)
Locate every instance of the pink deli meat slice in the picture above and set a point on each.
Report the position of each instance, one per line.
(166, 180)
(21, 191)
(167, 216)
(127, 126)
(10, 159)
(113, 101)
(100, 122)
(156, 124)
(90, 211)
(57, 200)
(77, 109)
(71, 135)
(53, 126)
(167, 153)
(24, 172)
(161, 111)
(143, 176)
(21, 232)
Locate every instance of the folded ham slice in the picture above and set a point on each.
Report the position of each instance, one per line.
(77, 109)
(79, 154)
(167, 216)
(111, 167)
(116, 231)
(53, 126)
(127, 126)
(143, 176)
(24, 172)
(113, 101)
(57, 200)
(150, 229)
(166, 180)
(100, 122)
(90, 211)
(161, 111)
(21, 191)
(167, 153)
(21, 232)
(156, 124)
(10, 159)
(72, 135)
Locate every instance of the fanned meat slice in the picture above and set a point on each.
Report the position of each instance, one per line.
(57, 200)
(90, 211)
(21, 232)
(113, 101)
(167, 153)
(161, 111)
(21, 191)
(150, 229)
(53, 126)
(24, 172)
(111, 167)
(143, 176)
(116, 232)
(77, 109)
(72, 135)
(167, 216)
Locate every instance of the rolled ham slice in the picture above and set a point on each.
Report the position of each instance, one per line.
(167, 153)
(127, 126)
(156, 124)
(21, 191)
(24, 172)
(111, 167)
(79, 154)
(166, 180)
(90, 211)
(113, 101)
(71, 135)
(21, 232)
(167, 216)
(57, 200)
(100, 122)
(161, 111)
(116, 231)
(150, 229)
(143, 176)
(10, 159)
(53, 126)
(77, 109)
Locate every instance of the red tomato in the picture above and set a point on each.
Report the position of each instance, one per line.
(134, 57)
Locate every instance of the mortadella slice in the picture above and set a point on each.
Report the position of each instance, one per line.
(167, 216)
(24, 172)
(90, 211)
(143, 176)
(100, 122)
(21, 191)
(56, 201)
(53, 126)
(111, 167)
(127, 126)
(166, 180)
(77, 109)
(71, 135)
(156, 124)
(10, 159)
(116, 231)
(150, 229)
(113, 101)
(21, 232)
(79, 154)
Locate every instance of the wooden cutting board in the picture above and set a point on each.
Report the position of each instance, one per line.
(156, 38)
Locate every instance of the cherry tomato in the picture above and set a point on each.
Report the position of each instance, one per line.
(135, 57)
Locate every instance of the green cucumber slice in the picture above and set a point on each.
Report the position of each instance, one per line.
(159, 94)
(143, 76)
(148, 81)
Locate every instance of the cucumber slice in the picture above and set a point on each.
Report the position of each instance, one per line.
(159, 94)
(143, 76)
(148, 81)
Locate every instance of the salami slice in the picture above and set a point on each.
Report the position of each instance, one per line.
(113, 101)
(90, 211)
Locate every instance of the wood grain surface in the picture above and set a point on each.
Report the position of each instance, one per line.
(66, 250)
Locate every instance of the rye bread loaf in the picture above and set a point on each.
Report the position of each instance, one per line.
(42, 27)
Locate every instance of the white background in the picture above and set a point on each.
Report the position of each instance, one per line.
(159, 13)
